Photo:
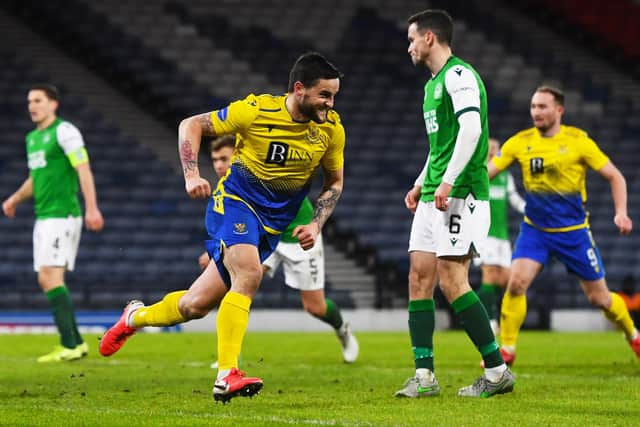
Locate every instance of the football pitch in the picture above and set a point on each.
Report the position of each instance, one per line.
(574, 379)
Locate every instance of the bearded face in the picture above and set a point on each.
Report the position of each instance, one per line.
(315, 102)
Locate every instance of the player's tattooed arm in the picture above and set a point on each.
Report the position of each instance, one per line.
(325, 205)
(188, 158)
(190, 132)
(206, 124)
(328, 198)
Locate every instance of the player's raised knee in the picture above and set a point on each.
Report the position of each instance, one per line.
(193, 307)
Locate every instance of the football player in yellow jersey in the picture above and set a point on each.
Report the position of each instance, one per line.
(281, 142)
(554, 160)
(303, 270)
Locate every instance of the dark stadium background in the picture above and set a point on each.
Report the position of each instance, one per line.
(130, 71)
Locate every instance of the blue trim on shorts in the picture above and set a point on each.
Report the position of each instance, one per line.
(238, 224)
(576, 249)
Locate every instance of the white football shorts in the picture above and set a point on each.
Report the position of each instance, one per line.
(303, 270)
(495, 252)
(459, 231)
(55, 242)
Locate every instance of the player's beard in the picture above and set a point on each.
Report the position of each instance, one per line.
(418, 61)
(311, 111)
(544, 126)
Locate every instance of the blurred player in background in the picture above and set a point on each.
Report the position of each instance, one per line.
(303, 270)
(57, 159)
(450, 201)
(495, 255)
(281, 142)
(554, 160)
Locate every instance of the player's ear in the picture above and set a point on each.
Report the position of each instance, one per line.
(298, 88)
(429, 37)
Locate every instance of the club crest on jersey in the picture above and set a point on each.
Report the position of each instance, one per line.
(437, 91)
(46, 138)
(223, 113)
(313, 135)
(240, 228)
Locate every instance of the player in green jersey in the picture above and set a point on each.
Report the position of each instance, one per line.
(495, 255)
(303, 270)
(57, 160)
(450, 202)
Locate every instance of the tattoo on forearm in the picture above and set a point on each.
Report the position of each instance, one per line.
(325, 205)
(187, 157)
(206, 124)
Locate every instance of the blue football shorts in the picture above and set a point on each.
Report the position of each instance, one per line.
(575, 249)
(232, 223)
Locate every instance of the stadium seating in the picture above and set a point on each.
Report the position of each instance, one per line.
(617, 24)
(147, 50)
(153, 233)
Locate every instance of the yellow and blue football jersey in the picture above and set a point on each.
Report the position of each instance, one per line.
(554, 171)
(276, 157)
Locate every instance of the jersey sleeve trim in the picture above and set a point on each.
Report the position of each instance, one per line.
(462, 87)
(466, 110)
(235, 117)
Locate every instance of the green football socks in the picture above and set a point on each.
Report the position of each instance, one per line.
(422, 321)
(332, 316)
(473, 317)
(64, 317)
(488, 294)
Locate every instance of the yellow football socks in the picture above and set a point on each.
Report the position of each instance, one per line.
(163, 313)
(619, 314)
(514, 310)
(232, 322)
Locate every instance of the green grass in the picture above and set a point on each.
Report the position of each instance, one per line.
(574, 379)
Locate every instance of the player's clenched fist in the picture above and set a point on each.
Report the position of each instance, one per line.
(307, 234)
(198, 188)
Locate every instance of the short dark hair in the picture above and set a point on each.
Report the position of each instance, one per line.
(50, 90)
(438, 21)
(221, 142)
(558, 95)
(309, 68)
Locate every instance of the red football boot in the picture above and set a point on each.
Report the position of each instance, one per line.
(236, 384)
(635, 346)
(117, 335)
(509, 358)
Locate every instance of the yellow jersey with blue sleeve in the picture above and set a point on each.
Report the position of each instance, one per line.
(275, 157)
(553, 171)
